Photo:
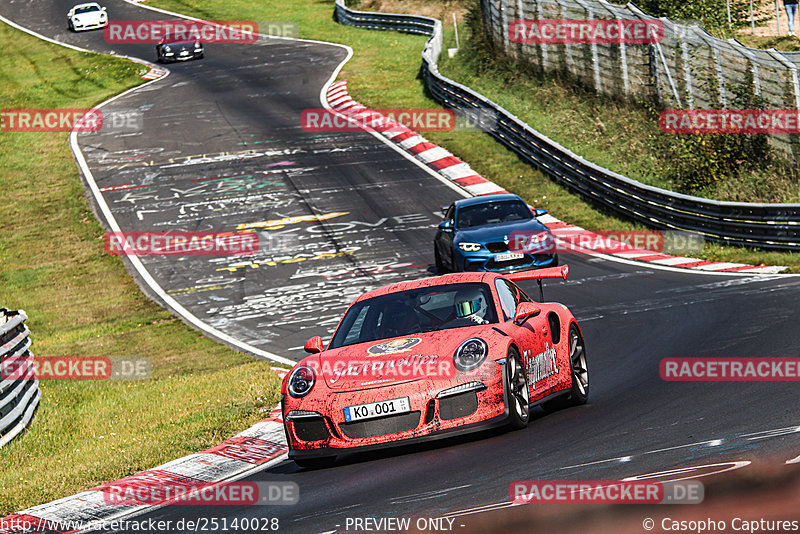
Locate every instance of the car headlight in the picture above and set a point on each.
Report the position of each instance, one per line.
(470, 354)
(301, 381)
(167, 49)
(469, 247)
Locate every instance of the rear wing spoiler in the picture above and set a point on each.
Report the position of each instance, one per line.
(538, 275)
(550, 272)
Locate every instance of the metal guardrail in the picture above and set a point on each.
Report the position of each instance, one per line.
(772, 226)
(19, 391)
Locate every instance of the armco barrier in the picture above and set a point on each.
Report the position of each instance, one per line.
(773, 226)
(19, 395)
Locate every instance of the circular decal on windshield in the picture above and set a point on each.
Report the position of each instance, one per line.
(393, 346)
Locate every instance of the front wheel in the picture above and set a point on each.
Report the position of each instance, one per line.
(438, 258)
(579, 390)
(516, 391)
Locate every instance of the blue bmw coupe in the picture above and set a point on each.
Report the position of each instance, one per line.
(493, 233)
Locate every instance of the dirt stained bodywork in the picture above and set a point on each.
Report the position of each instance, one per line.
(420, 367)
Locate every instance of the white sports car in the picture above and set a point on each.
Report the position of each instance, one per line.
(87, 17)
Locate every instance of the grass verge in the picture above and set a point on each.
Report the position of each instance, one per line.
(82, 302)
(384, 73)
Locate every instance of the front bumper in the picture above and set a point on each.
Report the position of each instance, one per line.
(433, 417)
(484, 260)
(97, 26)
(494, 422)
(173, 56)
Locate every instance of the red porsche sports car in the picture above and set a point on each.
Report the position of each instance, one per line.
(432, 358)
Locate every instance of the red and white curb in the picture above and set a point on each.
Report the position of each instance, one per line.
(459, 172)
(154, 73)
(260, 446)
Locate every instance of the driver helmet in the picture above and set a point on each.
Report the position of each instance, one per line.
(470, 303)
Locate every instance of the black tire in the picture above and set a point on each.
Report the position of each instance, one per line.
(315, 463)
(516, 391)
(555, 261)
(579, 390)
(438, 259)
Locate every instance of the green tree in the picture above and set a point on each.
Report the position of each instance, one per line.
(712, 13)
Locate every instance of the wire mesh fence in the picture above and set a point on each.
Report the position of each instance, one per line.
(686, 68)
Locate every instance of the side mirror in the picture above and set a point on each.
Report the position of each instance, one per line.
(313, 345)
(102, 9)
(525, 311)
(446, 226)
(540, 211)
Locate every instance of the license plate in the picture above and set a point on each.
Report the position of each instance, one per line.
(376, 409)
(184, 53)
(508, 256)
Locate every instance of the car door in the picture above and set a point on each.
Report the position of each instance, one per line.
(533, 337)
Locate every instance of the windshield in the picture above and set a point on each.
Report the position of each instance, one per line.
(414, 311)
(178, 40)
(493, 213)
(86, 9)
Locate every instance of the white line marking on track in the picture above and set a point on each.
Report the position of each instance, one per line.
(415, 497)
(725, 466)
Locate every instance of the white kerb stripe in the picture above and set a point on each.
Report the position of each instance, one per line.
(433, 154)
(677, 260)
(459, 170)
(719, 266)
(484, 188)
(412, 141)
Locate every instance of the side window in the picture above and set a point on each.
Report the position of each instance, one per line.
(521, 295)
(451, 213)
(508, 300)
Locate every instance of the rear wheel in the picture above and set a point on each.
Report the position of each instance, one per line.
(579, 390)
(516, 391)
